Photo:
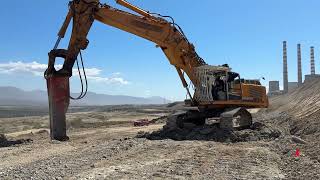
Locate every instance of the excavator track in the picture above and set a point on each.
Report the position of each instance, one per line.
(231, 119)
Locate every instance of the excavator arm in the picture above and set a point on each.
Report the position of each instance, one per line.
(153, 27)
(165, 34)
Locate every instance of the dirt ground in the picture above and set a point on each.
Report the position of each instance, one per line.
(105, 145)
(116, 153)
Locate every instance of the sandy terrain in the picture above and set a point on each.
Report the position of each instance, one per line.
(105, 145)
(116, 153)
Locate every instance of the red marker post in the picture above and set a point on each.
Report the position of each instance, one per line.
(298, 153)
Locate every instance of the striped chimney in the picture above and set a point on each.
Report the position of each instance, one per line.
(285, 67)
(299, 65)
(313, 68)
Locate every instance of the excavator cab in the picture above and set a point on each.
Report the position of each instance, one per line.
(220, 87)
(222, 94)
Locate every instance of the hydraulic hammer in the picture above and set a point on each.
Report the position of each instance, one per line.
(81, 12)
(58, 97)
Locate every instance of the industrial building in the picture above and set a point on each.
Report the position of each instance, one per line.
(274, 86)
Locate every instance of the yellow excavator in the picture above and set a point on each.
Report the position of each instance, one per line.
(217, 91)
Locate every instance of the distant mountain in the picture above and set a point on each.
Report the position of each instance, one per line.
(92, 99)
(11, 96)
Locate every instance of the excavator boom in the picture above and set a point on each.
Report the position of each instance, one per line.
(163, 33)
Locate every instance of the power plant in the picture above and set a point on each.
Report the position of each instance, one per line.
(274, 85)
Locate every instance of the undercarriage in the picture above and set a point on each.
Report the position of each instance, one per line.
(228, 119)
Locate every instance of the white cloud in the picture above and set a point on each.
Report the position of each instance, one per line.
(89, 71)
(37, 69)
(33, 68)
(109, 80)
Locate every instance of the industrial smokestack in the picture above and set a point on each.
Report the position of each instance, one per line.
(313, 68)
(285, 68)
(299, 66)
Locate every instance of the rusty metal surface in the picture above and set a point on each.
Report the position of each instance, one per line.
(59, 99)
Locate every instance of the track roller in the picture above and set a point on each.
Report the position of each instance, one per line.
(236, 119)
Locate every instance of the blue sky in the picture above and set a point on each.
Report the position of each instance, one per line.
(247, 34)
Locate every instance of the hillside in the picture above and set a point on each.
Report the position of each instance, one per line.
(11, 96)
(303, 105)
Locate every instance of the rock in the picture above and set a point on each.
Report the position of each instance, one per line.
(55, 142)
(156, 174)
(257, 126)
(298, 140)
(253, 138)
(42, 131)
(3, 138)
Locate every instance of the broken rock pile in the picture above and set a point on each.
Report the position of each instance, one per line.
(258, 131)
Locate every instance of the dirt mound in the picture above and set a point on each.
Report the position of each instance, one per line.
(257, 132)
(176, 105)
(303, 104)
(161, 119)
